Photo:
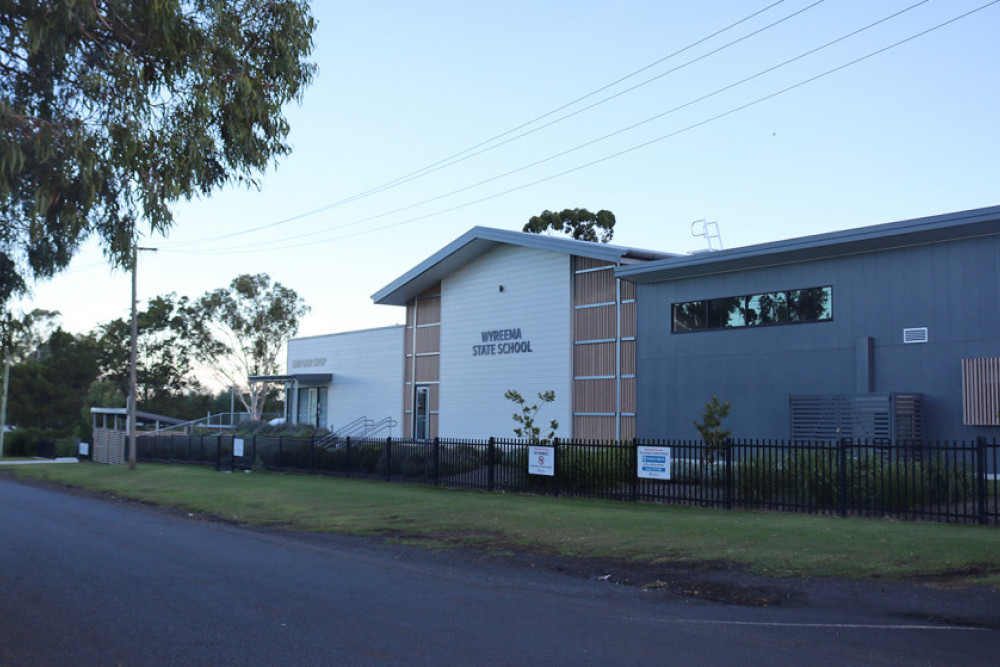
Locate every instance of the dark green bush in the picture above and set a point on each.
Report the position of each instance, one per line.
(872, 480)
(250, 427)
(595, 468)
(21, 441)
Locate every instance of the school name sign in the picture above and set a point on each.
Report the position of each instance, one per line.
(501, 341)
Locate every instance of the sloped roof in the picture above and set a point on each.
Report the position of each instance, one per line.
(479, 240)
(919, 231)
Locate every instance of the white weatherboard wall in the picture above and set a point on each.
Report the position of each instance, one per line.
(367, 372)
(536, 300)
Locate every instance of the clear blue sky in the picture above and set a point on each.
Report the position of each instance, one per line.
(909, 132)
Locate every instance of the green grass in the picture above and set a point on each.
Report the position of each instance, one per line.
(769, 544)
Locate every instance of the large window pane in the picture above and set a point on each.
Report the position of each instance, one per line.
(803, 305)
(809, 305)
(725, 313)
(689, 316)
(770, 308)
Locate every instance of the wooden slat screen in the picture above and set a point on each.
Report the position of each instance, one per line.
(981, 391)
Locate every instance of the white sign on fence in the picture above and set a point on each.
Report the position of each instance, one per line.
(542, 461)
(654, 462)
(237, 446)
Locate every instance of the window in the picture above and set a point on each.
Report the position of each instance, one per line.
(813, 304)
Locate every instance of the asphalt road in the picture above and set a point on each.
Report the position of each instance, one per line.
(85, 581)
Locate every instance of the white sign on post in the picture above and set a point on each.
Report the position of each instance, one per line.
(542, 461)
(237, 446)
(654, 462)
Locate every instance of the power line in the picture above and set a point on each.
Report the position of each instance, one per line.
(478, 148)
(270, 244)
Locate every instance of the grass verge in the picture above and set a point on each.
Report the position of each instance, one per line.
(768, 544)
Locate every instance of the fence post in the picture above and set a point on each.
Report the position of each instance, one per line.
(348, 447)
(218, 453)
(388, 459)
(635, 470)
(437, 459)
(555, 464)
(280, 461)
(729, 473)
(253, 450)
(490, 459)
(312, 453)
(981, 477)
(842, 481)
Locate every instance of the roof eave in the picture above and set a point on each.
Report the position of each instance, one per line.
(474, 243)
(919, 231)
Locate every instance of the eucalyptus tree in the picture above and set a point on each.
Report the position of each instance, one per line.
(239, 331)
(112, 110)
(579, 223)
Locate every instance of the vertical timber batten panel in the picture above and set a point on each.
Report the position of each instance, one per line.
(590, 359)
(600, 357)
(594, 286)
(594, 396)
(423, 339)
(596, 323)
(594, 427)
(981, 391)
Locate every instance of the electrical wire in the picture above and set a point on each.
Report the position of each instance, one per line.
(479, 149)
(270, 244)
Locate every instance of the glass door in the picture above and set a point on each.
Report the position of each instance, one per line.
(421, 412)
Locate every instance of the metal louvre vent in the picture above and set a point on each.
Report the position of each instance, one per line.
(915, 335)
(895, 416)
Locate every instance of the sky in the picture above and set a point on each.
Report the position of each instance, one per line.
(426, 119)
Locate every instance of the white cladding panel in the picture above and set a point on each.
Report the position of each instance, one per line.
(367, 372)
(535, 303)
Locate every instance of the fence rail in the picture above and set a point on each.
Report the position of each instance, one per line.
(952, 482)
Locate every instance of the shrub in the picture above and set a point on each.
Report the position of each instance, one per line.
(22, 441)
(872, 480)
(710, 428)
(595, 467)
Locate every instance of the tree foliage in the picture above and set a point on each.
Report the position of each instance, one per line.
(525, 416)
(710, 428)
(111, 110)
(239, 331)
(579, 223)
(48, 390)
(24, 336)
(164, 355)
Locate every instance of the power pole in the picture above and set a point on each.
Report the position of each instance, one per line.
(3, 401)
(131, 362)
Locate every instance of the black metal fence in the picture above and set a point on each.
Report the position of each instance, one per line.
(948, 481)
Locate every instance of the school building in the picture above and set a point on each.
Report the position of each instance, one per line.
(888, 331)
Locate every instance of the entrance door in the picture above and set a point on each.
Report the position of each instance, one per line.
(421, 404)
(312, 406)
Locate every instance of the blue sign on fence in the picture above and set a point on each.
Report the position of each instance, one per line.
(654, 462)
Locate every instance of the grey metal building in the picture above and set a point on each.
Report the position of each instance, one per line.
(889, 331)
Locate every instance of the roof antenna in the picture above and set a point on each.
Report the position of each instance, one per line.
(710, 230)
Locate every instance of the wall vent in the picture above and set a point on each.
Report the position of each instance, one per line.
(917, 335)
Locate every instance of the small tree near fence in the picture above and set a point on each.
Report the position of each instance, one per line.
(710, 428)
(526, 417)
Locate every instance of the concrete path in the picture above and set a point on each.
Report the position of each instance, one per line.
(64, 459)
